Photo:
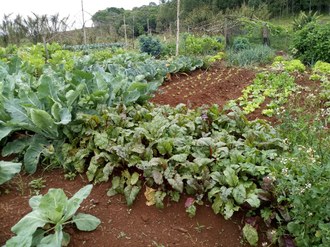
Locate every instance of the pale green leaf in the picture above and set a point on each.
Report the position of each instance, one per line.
(159, 197)
(131, 193)
(157, 176)
(53, 240)
(86, 222)
(16, 146)
(65, 116)
(253, 200)
(16, 111)
(5, 131)
(134, 178)
(239, 194)
(29, 223)
(20, 240)
(231, 177)
(176, 182)
(32, 154)
(8, 170)
(179, 157)
(53, 205)
(44, 122)
(250, 234)
(217, 204)
(34, 202)
(101, 140)
(74, 202)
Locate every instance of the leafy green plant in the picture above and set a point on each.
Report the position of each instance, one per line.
(37, 185)
(208, 154)
(250, 57)
(205, 45)
(277, 86)
(8, 170)
(294, 65)
(50, 213)
(320, 70)
(316, 34)
(241, 43)
(150, 45)
(303, 19)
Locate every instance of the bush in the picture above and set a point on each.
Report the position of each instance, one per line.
(205, 45)
(241, 43)
(312, 43)
(254, 56)
(150, 45)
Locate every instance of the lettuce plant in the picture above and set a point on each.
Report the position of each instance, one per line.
(50, 213)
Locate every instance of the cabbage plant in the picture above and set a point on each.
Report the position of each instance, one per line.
(50, 213)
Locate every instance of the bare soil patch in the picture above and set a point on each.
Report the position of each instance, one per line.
(214, 86)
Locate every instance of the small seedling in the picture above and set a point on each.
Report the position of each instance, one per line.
(36, 185)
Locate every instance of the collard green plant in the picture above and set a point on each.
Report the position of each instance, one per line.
(50, 213)
(150, 45)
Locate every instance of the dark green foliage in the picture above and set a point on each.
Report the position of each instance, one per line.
(312, 43)
(241, 43)
(150, 45)
(205, 45)
(303, 19)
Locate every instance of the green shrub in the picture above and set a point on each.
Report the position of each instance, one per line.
(312, 43)
(204, 45)
(150, 45)
(168, 49)
(302, 174)
(254, 56)
(241, 43)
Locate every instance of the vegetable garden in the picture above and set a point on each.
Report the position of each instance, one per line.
(254, 166)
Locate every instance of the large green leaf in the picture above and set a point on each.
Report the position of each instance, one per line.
(29, 223)
(44, 122)
(16, 111)
(250, 234)
(47, 88)
(5, 131)
(86, 222)
(34, 201)
(53, 240)
(16, 146)
(20, 240)
(239, 194)
(176, 182)
(8, 170)
(75, 201)
(131, 193)
(53, 205)
(231, 177)
(32, 154)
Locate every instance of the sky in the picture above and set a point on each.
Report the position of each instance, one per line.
(66, 7)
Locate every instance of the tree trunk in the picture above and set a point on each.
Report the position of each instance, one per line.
(125, 31)
(177, 28)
